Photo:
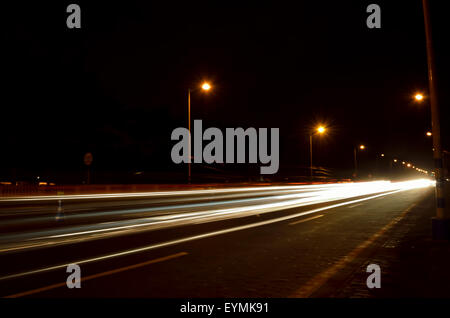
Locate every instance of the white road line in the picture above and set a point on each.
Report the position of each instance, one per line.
(354, 206)
(306, 220)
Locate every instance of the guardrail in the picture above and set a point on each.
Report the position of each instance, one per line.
(35, 189)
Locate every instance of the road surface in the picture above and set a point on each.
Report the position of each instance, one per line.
(279, 241)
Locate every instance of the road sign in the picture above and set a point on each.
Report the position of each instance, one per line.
(88, 159)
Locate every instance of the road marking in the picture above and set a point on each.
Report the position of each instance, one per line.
(307, 219)
(107, 273)
(320, 279)
(195, 237)
(355, 205)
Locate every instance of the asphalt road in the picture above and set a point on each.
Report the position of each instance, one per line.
(286, 241)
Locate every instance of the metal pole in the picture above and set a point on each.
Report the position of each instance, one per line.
(356, 162)
(189, 127)
(440, 225)
(310, 157)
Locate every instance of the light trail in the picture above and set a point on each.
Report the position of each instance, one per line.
(183, 192)
(228, 209)
(156, 193)
(398, 188)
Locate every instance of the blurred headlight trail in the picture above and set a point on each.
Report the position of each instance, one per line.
(163, 216)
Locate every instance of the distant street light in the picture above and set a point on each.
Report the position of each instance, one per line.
(355, 151)
(319, 130)
(382, 155)
(206, 87)
(395, 160)
(429, 133)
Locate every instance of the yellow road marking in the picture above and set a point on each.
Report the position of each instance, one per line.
(307, 219)
(111, 272)
(320, 279)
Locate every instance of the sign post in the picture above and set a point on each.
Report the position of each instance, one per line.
(88, 161)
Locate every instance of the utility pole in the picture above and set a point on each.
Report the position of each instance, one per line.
(189, 128)
(441, 222)
(310, 158)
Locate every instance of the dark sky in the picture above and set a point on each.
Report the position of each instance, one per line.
(117, 87)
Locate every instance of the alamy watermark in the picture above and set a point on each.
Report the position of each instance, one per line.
(74, 279)
(374, 279)
(373, 21)
(214, 151)
(73, 21)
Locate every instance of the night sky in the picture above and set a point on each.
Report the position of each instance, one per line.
(117, 87)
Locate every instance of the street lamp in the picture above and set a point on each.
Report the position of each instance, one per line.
(429, 133)
(418, 97)
(319, 130)
(361, 147)
(205, 87)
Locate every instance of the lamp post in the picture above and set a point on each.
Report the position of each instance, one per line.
(319, 130)
(440, 223)
(355, 151)
(205, 87)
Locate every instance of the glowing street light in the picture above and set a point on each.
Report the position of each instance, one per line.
(418, 97)
(395, 160)
(320, 129)
(206, 86)
(429, 134)
(362, 147)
